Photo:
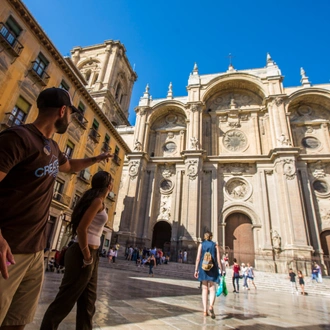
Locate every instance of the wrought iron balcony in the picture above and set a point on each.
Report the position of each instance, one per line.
(61, 198)
(94, 135)
(10, 120)
(39, 73)
(105, 147)
(9, 40)
(80, 119)
(116, 159)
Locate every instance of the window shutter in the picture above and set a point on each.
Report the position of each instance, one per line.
(23, 105)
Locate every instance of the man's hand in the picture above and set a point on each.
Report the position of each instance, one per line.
(6, 257)
(105, 156)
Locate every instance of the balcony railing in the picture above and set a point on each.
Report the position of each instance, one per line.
(80, 119)
(39, 73)
(61, 198)
(116, 159)
(10, 120)
(105, 147)
(94, 135)
(9, 40)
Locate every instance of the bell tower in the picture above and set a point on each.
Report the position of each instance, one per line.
(109, 77)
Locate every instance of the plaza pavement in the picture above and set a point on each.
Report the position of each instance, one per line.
(135, 301)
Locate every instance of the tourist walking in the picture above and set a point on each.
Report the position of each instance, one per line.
(29, 163)
(251, 275)
(292, 277)
(79, 284)
(315, 272)
(236, 275)
(180, 256)
(301, 282)
(152, 264)
(207, 271)
(245, 276)
(185, 256)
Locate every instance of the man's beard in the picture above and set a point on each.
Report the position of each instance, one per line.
(61, 125)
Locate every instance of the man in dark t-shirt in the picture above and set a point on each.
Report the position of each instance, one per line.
(29, 163)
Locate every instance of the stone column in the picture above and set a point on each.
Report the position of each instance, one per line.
(326, 139)
(274, 124)
(149, 203)
(215, 211)
(214, 135)
(100, 81)
(143, 118)
(255, 124)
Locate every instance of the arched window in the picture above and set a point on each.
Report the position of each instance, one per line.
(118, 92)
(95, 78)
(88, 75)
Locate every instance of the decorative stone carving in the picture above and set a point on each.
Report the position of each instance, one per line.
(232, 101)
(289, 169)
(284, 141)
(223, 119)
(137, 145)
(164, 212)
(195, 107)
(234, 140)
(167, 170)
(170, 136)
(133, 169)
(305, 110)
(236, 169)
(194, 144)
(142, 111)
(171, 119)
(321, 187)
(309, 129)
(276, 241)
(325, 214)
(318, 169)
(90, 145)
(278, 101)
(192, 169)
(237, 188)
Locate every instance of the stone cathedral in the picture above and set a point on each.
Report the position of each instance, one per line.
(240, 155)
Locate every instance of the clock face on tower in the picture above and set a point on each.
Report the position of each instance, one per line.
(169, 147)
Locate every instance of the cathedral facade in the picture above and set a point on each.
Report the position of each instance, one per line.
(240, 155)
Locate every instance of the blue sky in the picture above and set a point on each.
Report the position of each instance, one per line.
(164, 38)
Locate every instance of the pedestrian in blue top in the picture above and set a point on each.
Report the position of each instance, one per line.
(208, 253)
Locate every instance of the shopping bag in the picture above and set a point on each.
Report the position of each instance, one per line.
(224, 290)
(220, 287)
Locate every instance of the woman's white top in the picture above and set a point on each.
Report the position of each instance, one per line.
(95, 229)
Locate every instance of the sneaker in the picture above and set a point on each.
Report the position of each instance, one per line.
(234, 291)
(237, 291)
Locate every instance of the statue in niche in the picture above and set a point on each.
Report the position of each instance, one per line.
(193, 143)
(284, 140)
(137, 145)
(276, 240)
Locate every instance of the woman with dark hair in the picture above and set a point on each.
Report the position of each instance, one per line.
(79, 282)
(208, 257)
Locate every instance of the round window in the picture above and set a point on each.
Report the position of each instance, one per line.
(310, 142)
(169, 147)
(166, 185)
(320, 186)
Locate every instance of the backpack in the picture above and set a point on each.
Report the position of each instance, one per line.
(207, 262)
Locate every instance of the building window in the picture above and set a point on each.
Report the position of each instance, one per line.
(58, 190)
(105, 146)
(64, 85)
(40, 64)
(19, 113)
(69, 149)
(88, 75)
(11, 30)
(95, 125)
(118, 91)
(82, 107)
(116, 158)
(75, 200)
